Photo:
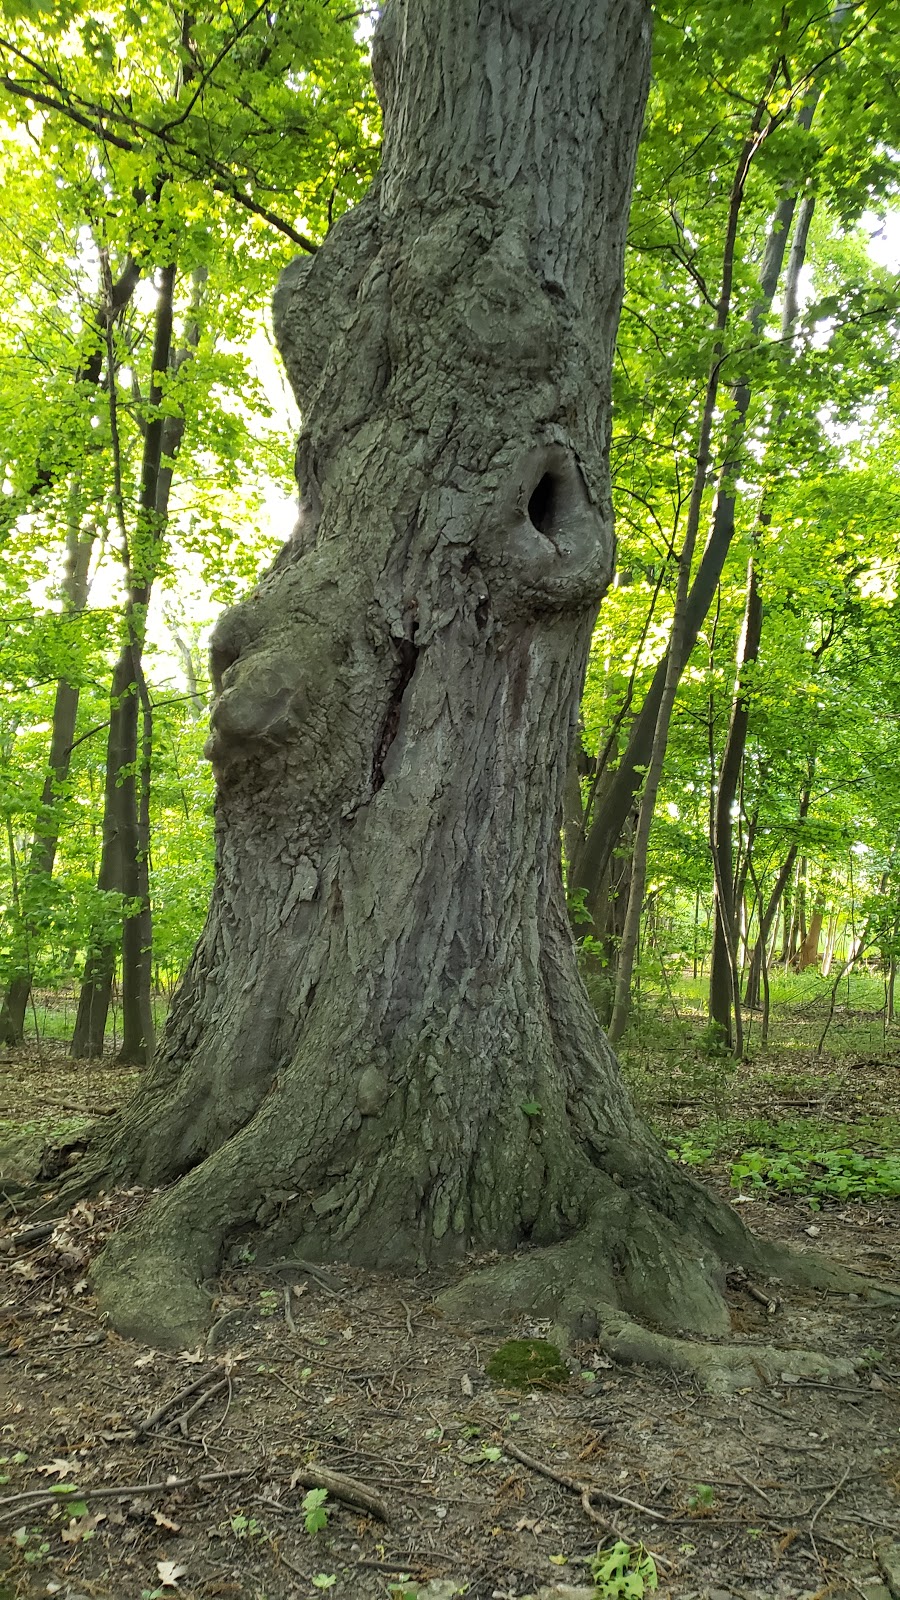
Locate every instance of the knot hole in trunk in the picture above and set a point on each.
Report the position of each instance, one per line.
(542, 506)
(559, 495)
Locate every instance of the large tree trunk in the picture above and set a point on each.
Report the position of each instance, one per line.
(382, 1051)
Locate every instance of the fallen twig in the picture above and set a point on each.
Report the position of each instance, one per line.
(583, 1490)
(156, 1416)
(30, 1235)
(820, 1508)
(62, 1493)
(578, 1485)
(350, 1490)
(288, 1313)
(761, 1298)
(754, 1486)
(214, 1388)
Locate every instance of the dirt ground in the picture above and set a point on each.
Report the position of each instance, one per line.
(192, 1469)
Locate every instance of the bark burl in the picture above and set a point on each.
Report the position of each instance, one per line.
(382, 1052)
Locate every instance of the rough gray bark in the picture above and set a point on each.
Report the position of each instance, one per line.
(386, 988)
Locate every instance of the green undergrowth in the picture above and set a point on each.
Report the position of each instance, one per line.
(806, 1157)
(51, 1018)
(789, 1119)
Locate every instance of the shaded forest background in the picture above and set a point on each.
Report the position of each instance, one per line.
(733, 811)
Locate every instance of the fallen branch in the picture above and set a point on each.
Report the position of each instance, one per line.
(584, 1491)
(215, 1388)
(62, 1493)
(350, 1490)
(37, 1230)
(156, 1416)
(820, 1508)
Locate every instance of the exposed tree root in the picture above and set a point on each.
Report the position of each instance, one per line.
(595, 1285)
(719, 1368)
(154, 1296)
(633, 1280)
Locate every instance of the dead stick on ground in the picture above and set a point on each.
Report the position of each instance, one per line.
(826, 1502)
(577, 1484)
(754, 1486)
(288, 1313)
(156, 1416)
(63, 1492)
(37, 1230)
(350, 1490)
(214, 1388)
(763, 1299)
(585, 1492)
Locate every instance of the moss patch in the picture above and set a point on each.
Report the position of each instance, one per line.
(528, 1364)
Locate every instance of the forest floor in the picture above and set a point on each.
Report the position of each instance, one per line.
(192, 1469)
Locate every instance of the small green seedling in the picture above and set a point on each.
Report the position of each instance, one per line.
(324, 1580)
(702, 1497)
(315, 1516)
(624, 1570)
(33, 1545)
(246, 1527)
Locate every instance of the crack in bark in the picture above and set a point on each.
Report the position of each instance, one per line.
(408, 655)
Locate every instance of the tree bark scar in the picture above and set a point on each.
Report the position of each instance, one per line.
(408, 655)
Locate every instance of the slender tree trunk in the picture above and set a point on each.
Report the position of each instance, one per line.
(679, 650)
(616, 795)
(724, 973)
(47, 826)
(830, 941)
(124, 866)
(798, 930)
(758, 960)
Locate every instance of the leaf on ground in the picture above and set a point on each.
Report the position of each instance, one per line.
(58, 1468)
(163, 1521)
(169, 1573)
(465, 1383)
(82, 1527)
(193, 1356)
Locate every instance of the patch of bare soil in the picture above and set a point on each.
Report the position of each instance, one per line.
(191, 1470)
